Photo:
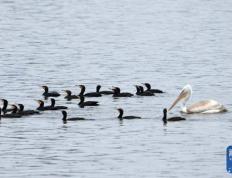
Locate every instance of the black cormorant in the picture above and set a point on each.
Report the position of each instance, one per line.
(4, 107)
(84, 103)
(26, 112)
(117, 93)
(91, 94)
(54, 107)
(141, 92)
(42, 107)
(69, 95)
(105, 92)
(49, 94)
(120, 116)
(148, 86)
(171, 119)
(14, 113)
(65, 119)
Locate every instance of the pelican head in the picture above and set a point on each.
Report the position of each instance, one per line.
(184, 96)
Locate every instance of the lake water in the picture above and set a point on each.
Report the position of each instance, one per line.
(168, 43)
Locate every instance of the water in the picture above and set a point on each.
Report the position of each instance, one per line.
(121, 43)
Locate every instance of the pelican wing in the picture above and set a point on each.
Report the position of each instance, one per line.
(206, 106)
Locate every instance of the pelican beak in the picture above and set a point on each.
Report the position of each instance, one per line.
(181, 96)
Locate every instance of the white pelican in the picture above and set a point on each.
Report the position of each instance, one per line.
(204, 106)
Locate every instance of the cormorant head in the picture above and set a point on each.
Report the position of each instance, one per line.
(148, 86)
(21, 107)
(68, 92)
(116, 90)
(45, 88)
(98, 88)
(120, 110)
(40, 102)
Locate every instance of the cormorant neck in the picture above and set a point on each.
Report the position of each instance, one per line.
(64, 117)
(45, 90)
(41, 105)
(138, 90)
(5, 104)
(120, 114)
(53, 102)
(82, 91)
(82, 99)
(141, 89)
(98, 88)
(165, 117)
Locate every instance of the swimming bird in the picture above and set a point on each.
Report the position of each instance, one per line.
(120, 116)
(204, 106)
(26, 112)
(10, 115)
(118, 93)
(105, 92)
(53, 107)
(5, 105)
(171, 119)
(84, 103)
(91, 94)
(140, 91)
(65, 119)
(49, 94)
(42, 107)
(69, 95)
(148, 86)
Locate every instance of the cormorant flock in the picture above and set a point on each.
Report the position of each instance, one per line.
(18, 111)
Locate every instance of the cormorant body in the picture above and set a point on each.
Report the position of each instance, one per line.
(42, 107)
(171, 119)
(53, 107)
(69, 95)
(91, 94)
(148, 86)
(105, 92)
(49, 94)
(65, 119)
(117, 93)
(140, 91)
(26, 112)
(84, 103)
(10, 115)
(120, 116)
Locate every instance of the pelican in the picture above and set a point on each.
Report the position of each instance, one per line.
(204, 106)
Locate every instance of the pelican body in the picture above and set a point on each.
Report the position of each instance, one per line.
(204, 106)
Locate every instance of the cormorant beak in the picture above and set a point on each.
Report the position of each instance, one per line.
(181, 96)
